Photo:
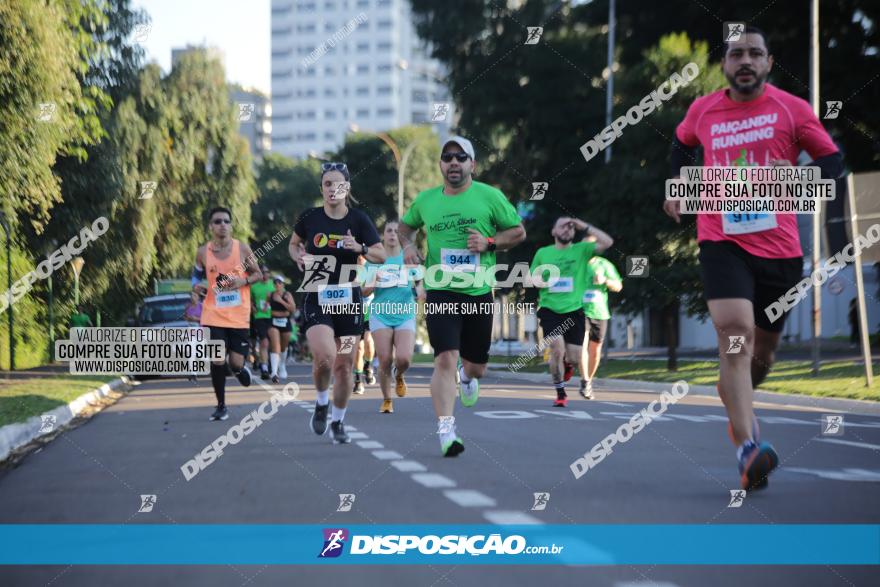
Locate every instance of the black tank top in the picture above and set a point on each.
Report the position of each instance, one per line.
(276, 306)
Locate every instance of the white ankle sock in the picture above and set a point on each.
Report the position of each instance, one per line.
(323, 397)
(447, 437)
(464, 378)
(273, 360)
(445, 431)
(337, 414)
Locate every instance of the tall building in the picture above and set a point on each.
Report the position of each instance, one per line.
(341, 65)
(210, 53)
(254, 119)
(253, 107)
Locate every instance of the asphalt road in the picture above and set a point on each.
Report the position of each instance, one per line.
(678, 470)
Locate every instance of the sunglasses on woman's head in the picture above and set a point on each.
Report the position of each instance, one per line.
(333, 167)
(460, 157)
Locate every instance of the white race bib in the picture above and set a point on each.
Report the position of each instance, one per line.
(335, 295)
(264, 305)
(279, 322)
(591, 295)
(228, 299)
(389, 277)
(460, 260)
(562, 285)
(747, 223)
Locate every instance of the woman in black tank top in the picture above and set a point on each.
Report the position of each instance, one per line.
(282, 306)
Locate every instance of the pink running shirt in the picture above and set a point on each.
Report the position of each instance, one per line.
(777, 125)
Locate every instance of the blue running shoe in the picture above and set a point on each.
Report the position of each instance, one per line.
(756, 464)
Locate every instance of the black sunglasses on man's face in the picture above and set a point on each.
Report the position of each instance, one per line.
(221, 221)
(460, 157)
(333, 166)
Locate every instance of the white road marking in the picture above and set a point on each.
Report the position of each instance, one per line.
(576, 414)
(645, 584)
(358, 436)
(688, 418)
(510, 517)
(842, 475)
(387, 455)
(782, 420)
(468, 498)
(408, 466)
(506, 415)
(851, 443)
(618, 404)
(370, 444)
(432, 480)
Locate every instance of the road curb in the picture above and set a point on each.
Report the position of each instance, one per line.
(849, 406)
(13, 436)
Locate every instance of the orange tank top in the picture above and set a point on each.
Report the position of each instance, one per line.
(227, 308)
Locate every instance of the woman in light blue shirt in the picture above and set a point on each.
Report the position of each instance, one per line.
(392, 314)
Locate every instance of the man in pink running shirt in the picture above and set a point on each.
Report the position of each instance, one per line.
(748, 261)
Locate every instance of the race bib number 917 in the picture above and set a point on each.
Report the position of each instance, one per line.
(747, 223)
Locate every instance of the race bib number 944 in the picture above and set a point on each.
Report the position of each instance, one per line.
(460, 259)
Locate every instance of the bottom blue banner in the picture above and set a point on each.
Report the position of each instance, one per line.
(778, 544)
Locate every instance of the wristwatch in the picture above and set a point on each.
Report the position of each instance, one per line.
(490, 244)
(364, 249)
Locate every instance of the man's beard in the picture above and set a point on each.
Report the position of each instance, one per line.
(746, 88)
(462, 179)
(564, 239)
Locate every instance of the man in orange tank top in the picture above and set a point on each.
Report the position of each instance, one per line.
(230, 267)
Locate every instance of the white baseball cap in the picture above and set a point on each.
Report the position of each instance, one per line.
(462, 142)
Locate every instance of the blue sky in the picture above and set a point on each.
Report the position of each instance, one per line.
(240, 28)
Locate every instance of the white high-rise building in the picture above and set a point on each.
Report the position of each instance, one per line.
(343, 65)
(254, 119)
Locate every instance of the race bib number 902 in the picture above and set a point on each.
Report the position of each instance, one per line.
(334, 295)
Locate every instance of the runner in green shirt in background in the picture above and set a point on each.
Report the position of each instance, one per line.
(80, 319)
(560, 306)
(262, 317)
(599, 277)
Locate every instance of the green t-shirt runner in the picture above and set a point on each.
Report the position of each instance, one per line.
(446, 220)
(80, 320)
(259, 294)
(595, 297)
(565, 293)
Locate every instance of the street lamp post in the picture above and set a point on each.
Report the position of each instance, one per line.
(9, 292)
(77, 265)
(399, 160)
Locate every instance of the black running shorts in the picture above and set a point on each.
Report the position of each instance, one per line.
(261, 326)
(345, 320)
(236, 339)
(597, 329)
(729, 271)
(463, 324)
(570, 326)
